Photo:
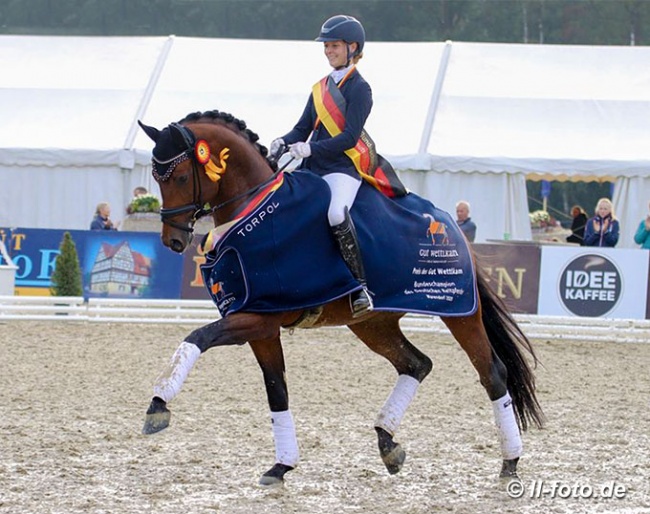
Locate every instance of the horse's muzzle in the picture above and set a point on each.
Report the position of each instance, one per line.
(176, 246)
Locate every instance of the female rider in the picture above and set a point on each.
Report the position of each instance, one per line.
(325, 153)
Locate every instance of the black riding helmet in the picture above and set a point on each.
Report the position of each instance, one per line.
(343, 28)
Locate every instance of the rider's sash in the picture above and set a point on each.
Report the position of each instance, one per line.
(330, 106)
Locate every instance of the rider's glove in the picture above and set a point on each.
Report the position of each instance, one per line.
(277, 148)
(300, 150)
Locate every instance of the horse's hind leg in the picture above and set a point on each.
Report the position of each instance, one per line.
(382, 334)
(471, 335)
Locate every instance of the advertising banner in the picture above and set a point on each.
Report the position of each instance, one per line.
(192, 286)
(513, 271)
(594, 282)
(113, 264)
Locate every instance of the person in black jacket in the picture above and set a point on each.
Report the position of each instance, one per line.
(577, 225)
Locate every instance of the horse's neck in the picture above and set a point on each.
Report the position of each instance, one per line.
(239, 188)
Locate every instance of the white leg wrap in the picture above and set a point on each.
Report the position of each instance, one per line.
(284, 435)
(170, 381)
(509, 436)
(391, 414)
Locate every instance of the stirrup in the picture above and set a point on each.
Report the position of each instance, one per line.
(361, 303)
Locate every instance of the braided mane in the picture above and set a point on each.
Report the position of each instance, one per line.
(234, 124)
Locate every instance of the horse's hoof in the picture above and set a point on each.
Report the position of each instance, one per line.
(394, 460)
(509, 469)
(391, 452)
(275, 475)
(157, 417)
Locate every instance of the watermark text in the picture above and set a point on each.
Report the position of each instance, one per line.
(559, 489)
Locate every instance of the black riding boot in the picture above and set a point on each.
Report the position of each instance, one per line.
(346, 237)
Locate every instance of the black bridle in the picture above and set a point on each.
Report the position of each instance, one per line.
(197, 206)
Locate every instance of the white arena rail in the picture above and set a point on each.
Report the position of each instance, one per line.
(200, 312)
(69, 308)
(107, 310)
(152, 311)
(555, 327)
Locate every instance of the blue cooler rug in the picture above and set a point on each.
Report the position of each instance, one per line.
(280, 255)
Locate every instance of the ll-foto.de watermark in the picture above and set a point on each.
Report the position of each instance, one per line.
(559, 489)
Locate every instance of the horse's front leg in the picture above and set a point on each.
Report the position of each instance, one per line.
(232, 330)
(270, 357)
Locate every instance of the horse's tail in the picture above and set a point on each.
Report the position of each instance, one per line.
(509, 343)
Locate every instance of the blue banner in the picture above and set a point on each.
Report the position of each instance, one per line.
(113, 264)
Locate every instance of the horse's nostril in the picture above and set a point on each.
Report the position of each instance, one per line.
(177, 246)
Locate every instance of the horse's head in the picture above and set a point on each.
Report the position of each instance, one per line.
(201, 161)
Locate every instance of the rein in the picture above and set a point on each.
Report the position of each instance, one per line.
(248, 192)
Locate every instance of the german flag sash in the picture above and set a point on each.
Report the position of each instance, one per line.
(331, 106)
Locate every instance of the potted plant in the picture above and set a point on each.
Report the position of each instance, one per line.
(143, 214)
(541, 220)
(144, 203)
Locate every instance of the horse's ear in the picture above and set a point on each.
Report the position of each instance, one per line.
(182, 136)
(152, 132)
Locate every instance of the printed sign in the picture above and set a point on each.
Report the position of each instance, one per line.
(513, 271)
(113, 264)
(594, 282)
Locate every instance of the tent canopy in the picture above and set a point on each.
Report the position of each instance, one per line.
(459, 120)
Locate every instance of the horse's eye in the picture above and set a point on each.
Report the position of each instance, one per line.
(181, 179)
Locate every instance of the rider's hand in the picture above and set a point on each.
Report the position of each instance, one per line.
(277, 148)
(300, 150)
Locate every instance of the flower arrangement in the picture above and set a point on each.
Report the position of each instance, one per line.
(144, 203)
(541, 219)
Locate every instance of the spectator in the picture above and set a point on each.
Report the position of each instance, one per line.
(577, 225)
(102, 221)
(642, 236)
(138, 191)
(603, 228)
(464, 221)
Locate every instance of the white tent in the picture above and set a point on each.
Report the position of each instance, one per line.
(545, 112)
(459, 120)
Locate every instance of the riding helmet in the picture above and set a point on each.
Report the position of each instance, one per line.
(343, 28)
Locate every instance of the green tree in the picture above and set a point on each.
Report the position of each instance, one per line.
(66, 278)
(577, 22)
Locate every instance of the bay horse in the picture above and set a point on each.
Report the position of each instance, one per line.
(210, 163)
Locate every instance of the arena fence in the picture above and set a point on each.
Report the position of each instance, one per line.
(200, 312)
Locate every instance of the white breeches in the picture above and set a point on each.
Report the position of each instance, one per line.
(344, 190)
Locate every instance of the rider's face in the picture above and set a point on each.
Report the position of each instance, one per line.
(337, 53)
